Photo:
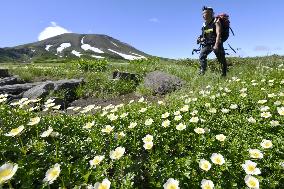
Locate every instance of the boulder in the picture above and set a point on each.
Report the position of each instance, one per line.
(4, 73)
(10, 80)
(162, 83)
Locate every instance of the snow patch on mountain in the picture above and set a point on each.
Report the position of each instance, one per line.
(63, 46)
(89, 47)
(94, 56)
(76, 53)
(125, 56)
(114, 44)
(47, 47)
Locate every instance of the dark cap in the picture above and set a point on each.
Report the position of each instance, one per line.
(204, 8)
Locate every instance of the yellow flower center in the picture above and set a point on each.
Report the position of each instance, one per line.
(103, 186)
(252, 183)
(54, 173)
(251, 168)
(15, 131)
(218, 160)
(171, 186)
(207, 186)
(5, 173)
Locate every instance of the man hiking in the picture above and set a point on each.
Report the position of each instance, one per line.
(211, 40)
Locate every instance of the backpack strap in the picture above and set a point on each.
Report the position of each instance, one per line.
(232, 31)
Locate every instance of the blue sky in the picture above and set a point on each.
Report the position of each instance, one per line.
(166, 28)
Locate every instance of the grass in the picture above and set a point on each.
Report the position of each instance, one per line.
(247, 107)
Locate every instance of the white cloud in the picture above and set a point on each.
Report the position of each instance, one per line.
(154, 20)
(52, 31)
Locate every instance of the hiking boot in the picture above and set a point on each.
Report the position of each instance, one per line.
(201, 72)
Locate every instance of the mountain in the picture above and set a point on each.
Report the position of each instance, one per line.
(72, 45)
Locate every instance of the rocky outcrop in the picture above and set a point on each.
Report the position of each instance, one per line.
(162, 83)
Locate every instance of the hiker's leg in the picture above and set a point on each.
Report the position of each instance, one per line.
(205, 51)
(220, 54)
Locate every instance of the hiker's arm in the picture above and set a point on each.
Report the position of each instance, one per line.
(218, 32)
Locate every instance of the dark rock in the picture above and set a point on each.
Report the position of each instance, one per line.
(17, 88)
(10, 80)
(125, 76)
(4, 73)
(162, 83)
(39, 91)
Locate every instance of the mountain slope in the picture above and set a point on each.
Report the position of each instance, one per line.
(72, 45)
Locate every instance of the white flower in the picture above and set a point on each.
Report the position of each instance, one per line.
(166, 123)
(176, 113)
(184, 108)
(148, 145)
(234, 106)
(96, 161)
(262, 101)
(7, 171)
(207, 184)
(243, 90)
(3, 99)
(271, 95)
(34, 121)
(117, 153)
(124, 115)
(250, 168)
(165, 115)
(47, 133)
(217, 159)
(54, 134)
(212, 110)
(274, 123)
(131, 101)
(277, 103)
(243, 95)
(199, 130)
(160, 102)
(141, 99)
(204, 165)
(221, 137)
(207, 105)
(77, 108)
(119, 135)
(252, 182)
(148, 138)
(104, 185)
(171, 184)
(107, 129)
(89, 125)
(266, 143)
(132, 125)
(194, 112)
(52, 174)
(143, 110)
(194, 120)
(251, 120)
(264, 108)
(112, 117)
(281, 110)
(224, 110)
(149, 121)
(265, 114)
(16, 131)
(180, 126)
(255, 153)
(178, 117)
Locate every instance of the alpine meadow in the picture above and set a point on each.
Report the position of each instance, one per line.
(213, 132)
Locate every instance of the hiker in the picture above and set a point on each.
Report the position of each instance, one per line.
(210, 40)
